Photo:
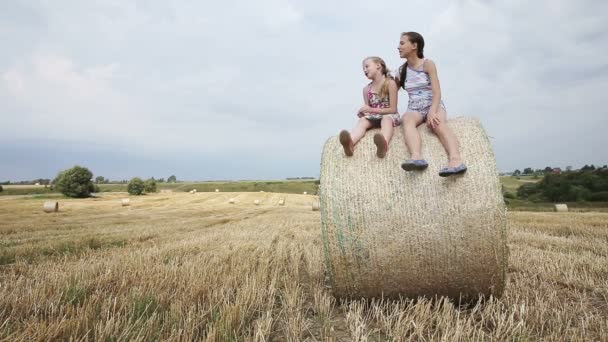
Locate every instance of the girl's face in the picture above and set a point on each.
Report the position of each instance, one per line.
(406, 48)
(371, 69)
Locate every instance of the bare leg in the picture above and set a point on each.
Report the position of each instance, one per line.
(386, 128)
(411, 120)
(349, 140)
(359, 130)
(448, 139)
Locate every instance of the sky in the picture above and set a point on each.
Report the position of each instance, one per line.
(235, 89)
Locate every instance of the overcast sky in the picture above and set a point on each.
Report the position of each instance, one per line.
(238, 89)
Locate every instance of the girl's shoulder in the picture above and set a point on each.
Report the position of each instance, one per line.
(428, 63)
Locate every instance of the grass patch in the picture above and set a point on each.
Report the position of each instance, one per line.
(144, 305)
(75, 294)
(7, 257)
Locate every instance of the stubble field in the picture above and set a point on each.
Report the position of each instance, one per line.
(180, 266)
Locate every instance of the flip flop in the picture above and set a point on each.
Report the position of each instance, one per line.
(381, 145)
(347, 143)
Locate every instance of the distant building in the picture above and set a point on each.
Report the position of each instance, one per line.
(557, 170)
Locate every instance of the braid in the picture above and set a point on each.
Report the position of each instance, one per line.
(402, 75)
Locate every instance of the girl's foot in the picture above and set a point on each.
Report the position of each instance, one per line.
(451, 171)
(381, 145)
(347, 143)
(414, 165)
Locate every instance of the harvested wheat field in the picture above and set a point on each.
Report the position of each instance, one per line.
(177, 266)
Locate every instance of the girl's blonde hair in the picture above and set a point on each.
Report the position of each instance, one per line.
(389, 78)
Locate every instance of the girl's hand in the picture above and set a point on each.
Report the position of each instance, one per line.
(432, 120)
(366, 109)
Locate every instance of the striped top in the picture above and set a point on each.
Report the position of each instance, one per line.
(418, 85)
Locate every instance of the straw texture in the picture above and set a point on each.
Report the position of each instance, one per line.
(389, 232)
(561, 208)
(50, 206)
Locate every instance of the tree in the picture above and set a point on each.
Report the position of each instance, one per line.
(150, 185)
(161, 180)
(569, 168)
(75, 182)
(136, 186)
(100, 180)
(528, 171)
(172, 179)
(1, 188)
(548, 169)
(516, 172)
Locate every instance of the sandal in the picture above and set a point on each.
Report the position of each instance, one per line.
(414, 165)
(451, 171)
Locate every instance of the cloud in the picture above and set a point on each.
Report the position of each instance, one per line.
(243, 79)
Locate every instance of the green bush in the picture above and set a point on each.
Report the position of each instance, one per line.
(136, 186)
(150, 186)
(75, 182)
(601, 196)
(526, 190)
(509, 195)
(1, 188)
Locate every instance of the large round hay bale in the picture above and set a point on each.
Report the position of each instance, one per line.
(217, 190)
(231, 200)
(50, 206)
(304, 193)
(315, 206)
(281, 201)
(561, 208)
(390, 232)
(256, 202)
(125, 202)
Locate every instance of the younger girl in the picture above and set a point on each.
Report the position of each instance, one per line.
(418, 76)
(379, 110)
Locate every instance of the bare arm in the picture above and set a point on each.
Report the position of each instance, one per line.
(431, 69)
(365, 99)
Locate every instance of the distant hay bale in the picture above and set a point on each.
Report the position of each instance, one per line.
(561, 208)
(50, 207)
(304, 193)
(193, 191)
(166, 190)
(231, 200)
(388, 232)
(261, 190)
(256, 202)
(281, 201)
(217, 190)
(315, 206)
(125, 202)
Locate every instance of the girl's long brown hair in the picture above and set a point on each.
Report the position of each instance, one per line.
(414, 38)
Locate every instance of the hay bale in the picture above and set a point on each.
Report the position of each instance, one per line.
(390, 232)
(561, 208)
(315, 206)
(217, 190)
(166, 190)
(281, 201)
(256, 202)
(125, 202)
(50, 206)
(304, 193)
(231, 200)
